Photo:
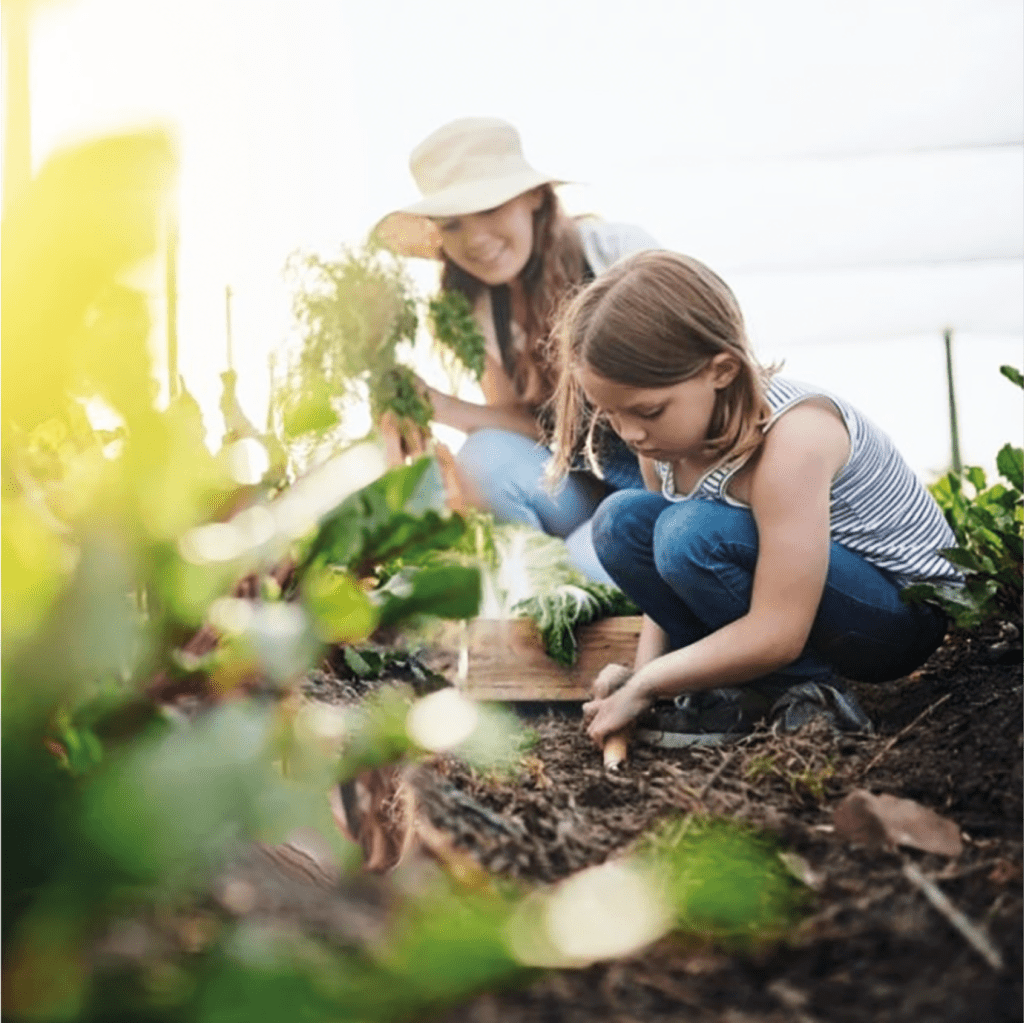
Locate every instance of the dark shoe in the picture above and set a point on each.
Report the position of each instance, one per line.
(830, 699)
(709, 718)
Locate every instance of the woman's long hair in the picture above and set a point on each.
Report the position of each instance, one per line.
(653, 320)
(553, 272)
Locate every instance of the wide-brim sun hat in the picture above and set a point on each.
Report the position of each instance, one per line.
(466, 166)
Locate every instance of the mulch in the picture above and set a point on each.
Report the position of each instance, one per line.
(872, 949)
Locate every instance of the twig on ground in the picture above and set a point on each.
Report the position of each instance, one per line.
(902, 732)
(715, 775)
(974, 936)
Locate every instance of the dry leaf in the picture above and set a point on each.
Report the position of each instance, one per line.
(886, 821)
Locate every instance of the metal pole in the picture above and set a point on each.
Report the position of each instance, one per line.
(954, 430)
(173, 389)
(17, 112)
(227, 320)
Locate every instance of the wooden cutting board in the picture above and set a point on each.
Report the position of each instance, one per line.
(507, 662)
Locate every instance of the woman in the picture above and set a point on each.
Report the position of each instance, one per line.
(496, 226)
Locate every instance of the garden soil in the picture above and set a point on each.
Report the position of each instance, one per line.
(872, 949)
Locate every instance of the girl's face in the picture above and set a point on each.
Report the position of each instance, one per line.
(669, 424)
(494, 245)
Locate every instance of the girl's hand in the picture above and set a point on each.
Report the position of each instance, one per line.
(610, 678)
(603, 716)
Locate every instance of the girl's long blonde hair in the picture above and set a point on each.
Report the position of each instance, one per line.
(554, 270)
(653, 320)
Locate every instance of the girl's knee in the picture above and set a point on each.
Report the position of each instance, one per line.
(620, 516)
(703, 533)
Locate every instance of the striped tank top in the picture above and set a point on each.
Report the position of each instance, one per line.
(879, 509)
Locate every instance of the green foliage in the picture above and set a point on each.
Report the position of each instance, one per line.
(724, 879)
(454, 326)
(810, 779)
(1013, 374)
(114, 814)
(989, 527)
(352, 314)
(355, 315)
(559, 610)
(396, 391)
(369, 532)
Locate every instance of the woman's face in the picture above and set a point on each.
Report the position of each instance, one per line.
(494, 245)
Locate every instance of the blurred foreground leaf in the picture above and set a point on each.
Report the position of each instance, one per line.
(90, 213)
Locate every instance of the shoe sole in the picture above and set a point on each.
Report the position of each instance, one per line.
(680, 740)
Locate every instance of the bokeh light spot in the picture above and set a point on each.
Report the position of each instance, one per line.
(442, 720)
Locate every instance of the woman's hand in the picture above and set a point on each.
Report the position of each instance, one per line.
(603, 716)
(403, 439)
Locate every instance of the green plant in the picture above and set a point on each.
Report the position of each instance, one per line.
(355, 314)
(989, 529)
(115, 814)
(352, 313)
(451, 319)
(559, 611)
(806, 779)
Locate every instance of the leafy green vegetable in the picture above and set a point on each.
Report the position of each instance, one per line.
(396, 391)
(989, 530)
(560, 610)
(354, 315)
(454, 325)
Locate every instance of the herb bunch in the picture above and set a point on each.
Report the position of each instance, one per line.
(454, 326)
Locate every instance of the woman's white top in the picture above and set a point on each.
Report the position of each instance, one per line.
(878, 509)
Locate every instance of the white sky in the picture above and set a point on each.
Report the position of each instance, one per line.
(853, 169)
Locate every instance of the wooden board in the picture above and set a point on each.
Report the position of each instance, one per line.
(507, 662)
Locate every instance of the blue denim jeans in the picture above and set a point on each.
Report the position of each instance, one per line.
(689, 565)
(508, 471)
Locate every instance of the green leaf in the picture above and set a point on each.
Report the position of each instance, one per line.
(723, 878)
(444, 591)
(1013, 375)
(1010, 463)
(357, 663)
(172, 798)
(90, 213)
(378, 735)
(964, 559)
(977, 477)
(341, 610)
(311, 412)
(454, 325)
(559, 610)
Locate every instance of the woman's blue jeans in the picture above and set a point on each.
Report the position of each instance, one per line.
(689, 565)
(507, 470)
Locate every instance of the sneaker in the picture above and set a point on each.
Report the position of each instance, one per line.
(830, 699)
(709, 718)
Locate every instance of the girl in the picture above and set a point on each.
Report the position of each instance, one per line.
(778, 528)
(497, 227)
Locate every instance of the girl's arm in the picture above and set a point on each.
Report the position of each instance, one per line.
(789, 494)
(652, 641)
